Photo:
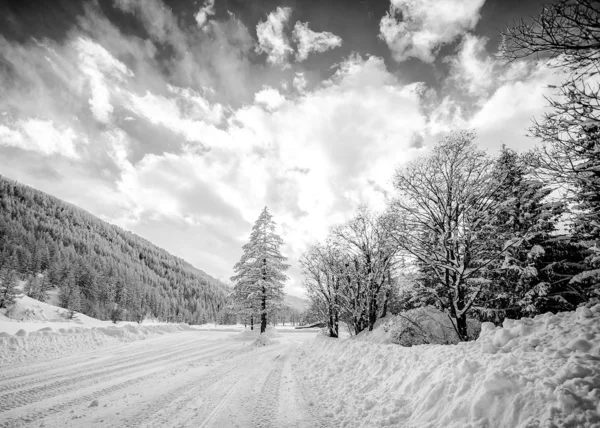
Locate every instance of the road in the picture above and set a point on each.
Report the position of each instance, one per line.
(187, 379)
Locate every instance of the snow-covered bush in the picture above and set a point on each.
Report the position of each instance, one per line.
(419, 326)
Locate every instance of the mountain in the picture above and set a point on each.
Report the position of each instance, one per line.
(100, 269)
(296, 303)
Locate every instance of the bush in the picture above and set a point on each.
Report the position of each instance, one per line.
(426, 325)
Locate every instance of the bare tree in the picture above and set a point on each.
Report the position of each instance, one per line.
(323, 275)
(567, 35)
(439, 218)
(371, 256)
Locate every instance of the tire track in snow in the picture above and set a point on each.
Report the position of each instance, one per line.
(86, 366)
(52, 409)
(165, 409)
(25, 370)
(264, 412)
(19, 398)
(212, 416)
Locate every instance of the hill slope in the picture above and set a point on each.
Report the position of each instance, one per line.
(296, 303)
(96, 265)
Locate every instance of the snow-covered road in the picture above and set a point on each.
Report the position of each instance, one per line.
(188, 379)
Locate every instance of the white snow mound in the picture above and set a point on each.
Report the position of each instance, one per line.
(262, 340)
(540, 372)
(31, 330)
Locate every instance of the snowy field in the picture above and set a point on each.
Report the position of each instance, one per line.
(187, 378)
(531, 373)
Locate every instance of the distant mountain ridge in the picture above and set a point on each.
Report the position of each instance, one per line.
(99, 267)
(296, 303)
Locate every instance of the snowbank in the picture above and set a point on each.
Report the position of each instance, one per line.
(262, 340)
(247, 334)
(421, 326)
(32, 330)
(48, 342)
(540, 372)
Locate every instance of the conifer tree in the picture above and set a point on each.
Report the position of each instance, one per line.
(8, 286)
(526, 217)
(259, 275)
(70, 295)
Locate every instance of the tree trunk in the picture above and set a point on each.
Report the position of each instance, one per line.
(372, 314)
(263, 313)
(461, 326)
(251, 322)
(332, 324)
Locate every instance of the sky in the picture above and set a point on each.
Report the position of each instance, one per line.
(181, 120)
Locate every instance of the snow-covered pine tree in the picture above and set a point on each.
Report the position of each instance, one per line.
(8, 286)
(521, 283)
(259, 275)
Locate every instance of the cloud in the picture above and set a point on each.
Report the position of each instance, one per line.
(272, 39)
(300, 82)
(102, 71)
(310, 41)
(270, 98)
(207, 9)
(418, 28)
(41, 136)
(472, 67)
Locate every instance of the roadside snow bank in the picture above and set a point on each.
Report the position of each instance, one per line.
(540, 372)
(262, 340)
(246, 334)
(49, 342)
(421, 326)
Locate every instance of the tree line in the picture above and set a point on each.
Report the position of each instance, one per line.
(482, 236)
(99, 269)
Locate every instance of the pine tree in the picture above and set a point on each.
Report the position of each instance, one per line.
(8, 286)
(259, 276)
(70, 295)
(524, 216)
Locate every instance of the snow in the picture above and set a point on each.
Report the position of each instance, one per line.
(528, 373)
(262, 340)
(204, 378)
(420, 326)
(533, 372)
(31, 330)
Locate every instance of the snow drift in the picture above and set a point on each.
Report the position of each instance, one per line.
(31, 330)
(540, 372)
(48, 342)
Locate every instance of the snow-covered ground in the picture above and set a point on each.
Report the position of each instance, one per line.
(541, 372)
(34, 331)
(188, 379)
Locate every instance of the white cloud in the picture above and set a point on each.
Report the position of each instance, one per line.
(472, 68)
(311, 41)
(418, 28)
(515, 101)
(41, 136)
(270, 98)
(207, 9)
(271, 37)
(300, 82)
(101, 70)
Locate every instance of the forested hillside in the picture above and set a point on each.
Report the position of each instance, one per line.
(100, 269)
